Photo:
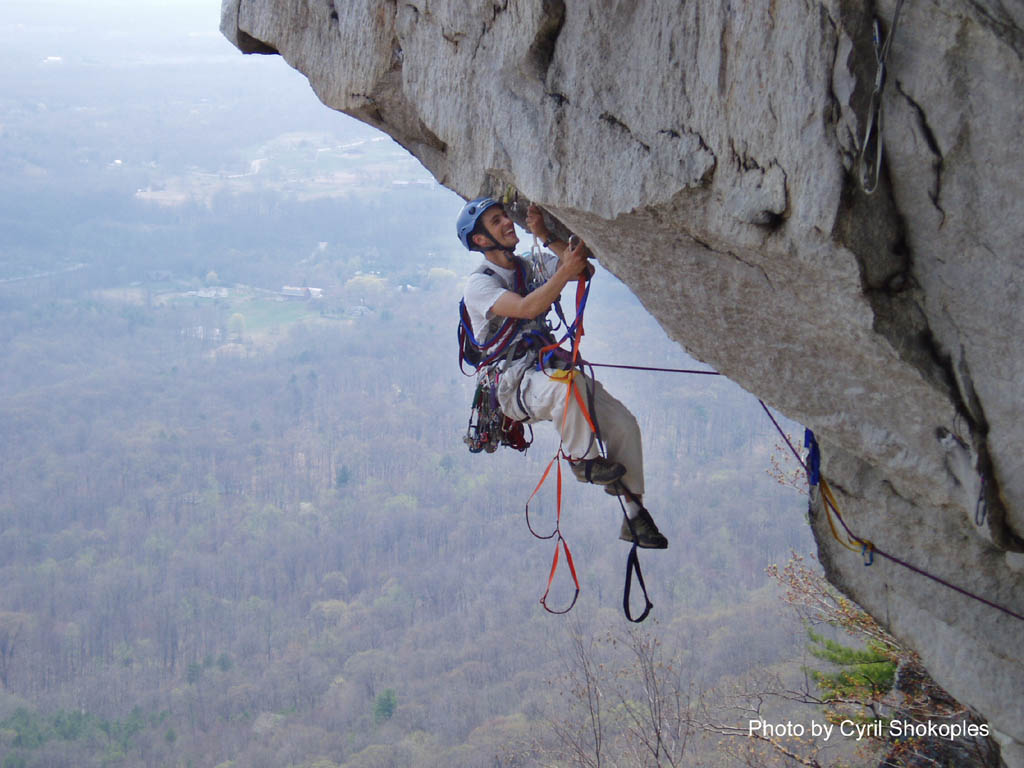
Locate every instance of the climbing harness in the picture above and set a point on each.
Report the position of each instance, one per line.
(871, 147)
(488, 426)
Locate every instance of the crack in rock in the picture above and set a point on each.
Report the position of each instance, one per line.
(935, 192)
(735, 256)
(612, 120)
(1003, 28)
(760, 194)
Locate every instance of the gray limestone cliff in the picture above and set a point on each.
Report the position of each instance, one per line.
(707, 151)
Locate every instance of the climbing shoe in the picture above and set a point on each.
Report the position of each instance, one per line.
(647, 532)
(615, 489)
(599, 471)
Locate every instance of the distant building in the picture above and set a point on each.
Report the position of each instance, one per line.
(212, 293)
(201, 332)
(303, 292)
(358, 310)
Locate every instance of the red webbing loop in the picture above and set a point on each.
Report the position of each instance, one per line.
(556, 460)
(558, 507)
(551, 577)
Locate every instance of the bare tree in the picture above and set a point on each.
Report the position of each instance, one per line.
(11, 625)
(580, 733)
(625, 704)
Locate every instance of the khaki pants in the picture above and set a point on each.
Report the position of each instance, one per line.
(545, 400)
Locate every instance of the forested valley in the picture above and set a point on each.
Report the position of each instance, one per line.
(201, 544)
(238, 523)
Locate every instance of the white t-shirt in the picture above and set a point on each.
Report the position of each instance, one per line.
(483, 290)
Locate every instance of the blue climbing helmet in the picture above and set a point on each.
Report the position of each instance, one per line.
(470, 215)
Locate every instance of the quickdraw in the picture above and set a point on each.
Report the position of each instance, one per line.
(981, 505)
(871, 168)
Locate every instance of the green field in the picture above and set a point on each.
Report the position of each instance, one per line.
(264, 315)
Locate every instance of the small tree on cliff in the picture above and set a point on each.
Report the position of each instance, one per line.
(880, 683)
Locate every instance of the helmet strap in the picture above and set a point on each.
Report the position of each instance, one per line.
(496, 247)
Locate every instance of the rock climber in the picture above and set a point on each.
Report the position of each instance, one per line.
(509, 286)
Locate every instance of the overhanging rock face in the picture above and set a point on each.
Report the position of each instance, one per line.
(707, 151)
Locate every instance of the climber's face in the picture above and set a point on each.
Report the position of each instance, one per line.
(500, 227)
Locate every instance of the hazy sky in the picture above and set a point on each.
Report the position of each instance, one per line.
(157, 15)
(144, 49)
(111, 31)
